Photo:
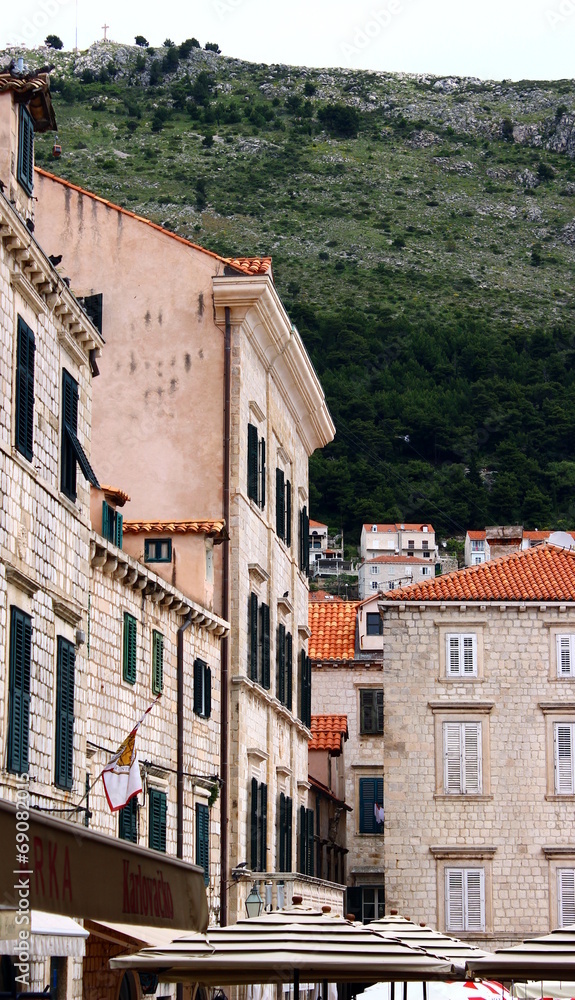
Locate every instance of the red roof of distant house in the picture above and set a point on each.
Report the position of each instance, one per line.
(332, 626)
(400, 527)
(476, 536)
(316, 524)
(324, 595)
(328, 732)
(247, 265)
(544, 573)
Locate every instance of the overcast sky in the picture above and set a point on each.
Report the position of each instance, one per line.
(491, 39)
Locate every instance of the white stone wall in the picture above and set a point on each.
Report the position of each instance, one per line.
(517, 829)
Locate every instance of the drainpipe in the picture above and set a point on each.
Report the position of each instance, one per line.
(225, 647)
(180, 737)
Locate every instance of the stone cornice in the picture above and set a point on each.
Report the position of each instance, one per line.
(449, 853)
(256, 307)
(116, 563)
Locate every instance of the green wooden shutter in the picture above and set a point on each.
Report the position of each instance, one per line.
(370, 793)
(25, 351)
(288, 514)
(130, 636)
(128, 821)
(203, 840)
(305, 688)
(157, 820)
(65, 714)
(106, 511)
(289, 671)
(25, 172)
(265, 622)
(207, 691)
(304, 541)
(310, 860)
(281, 664)
(253, 632)
(302, 839)
(263, 838)
(262, 499)
(19, 691)
(289, 821)
(69, 422)
(254, 826)
(280, 504)
(253, 462)
(157, 662)
(119, 530)
(282, 833)
(198, 687)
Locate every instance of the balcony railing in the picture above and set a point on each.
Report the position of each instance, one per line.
(277, 888)
(331, 567)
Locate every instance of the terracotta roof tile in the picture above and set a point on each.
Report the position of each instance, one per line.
(332, 626)
(324, 595)
(328, 732)
(316, 524)
(211, 528)
(400, 526)
(544, 573)
(476, 536)
(247, 265)
(115, 493)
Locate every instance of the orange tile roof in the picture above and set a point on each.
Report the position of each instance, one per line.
(247, 265)
(316, 524)
(115, 493)
(324, 595)
(332, 626)
(544, 573)
(476, 536)
(328, 732)
(210, 528)
(400, 526)
(404, 560)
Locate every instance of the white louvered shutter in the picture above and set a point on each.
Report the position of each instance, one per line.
(566, 896)
(452, 776)
(469, 651)
(475, 899)
(565, 656)
(453, 655)
(471, 740)
(454, 899)
(564, 758)
(461, 655)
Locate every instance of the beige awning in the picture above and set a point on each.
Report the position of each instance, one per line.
(551, 956)
(145, 937)
(51, 935)
(423, 936)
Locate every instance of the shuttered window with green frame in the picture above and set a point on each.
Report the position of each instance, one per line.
(112, 524)
(25, 351)
(130, 648)
(280, 504)
(72, 451)
(285, 833)
(157, 819)
(284, 656)
(306, 841)
(258, 825)
(304, 541)
(19, 691)
(253, 636)
(265, 678)
(370, 800)
(203, 839)
(157, 662)
(202, 689)
(25, 173)
(66, 655)
(305, 688)
(128, 821)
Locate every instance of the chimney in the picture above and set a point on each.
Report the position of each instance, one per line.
(504, 539)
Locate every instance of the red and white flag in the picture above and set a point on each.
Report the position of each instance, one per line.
(121, 775)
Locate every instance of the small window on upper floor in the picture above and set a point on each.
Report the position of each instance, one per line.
(72, 451)
(566, 655)
(25, 173)
(158, 550)
(25, 351)
(374, 623)
(256, 467)
(112, 524)
(374, 527)
(374, 570)
(461, 655)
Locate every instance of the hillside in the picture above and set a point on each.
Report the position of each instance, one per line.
(423, 239)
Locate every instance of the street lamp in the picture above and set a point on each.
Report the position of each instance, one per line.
(254, 902)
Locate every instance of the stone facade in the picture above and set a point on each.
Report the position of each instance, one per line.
(512, 824)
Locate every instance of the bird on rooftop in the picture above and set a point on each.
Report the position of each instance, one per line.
(55, 259)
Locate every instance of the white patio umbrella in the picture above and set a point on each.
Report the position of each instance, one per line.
(551, 957)
(285, 945)
(426, 938)
(468, 990)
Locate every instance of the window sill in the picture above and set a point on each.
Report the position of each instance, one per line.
(557, 797)
(382, 834)
(460, 680)
(465, 796)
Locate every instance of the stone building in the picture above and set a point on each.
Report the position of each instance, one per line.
(208, 408)
(394, 555)
(345, 648)
(479, 767)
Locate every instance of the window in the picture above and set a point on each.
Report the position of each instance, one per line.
(158, 550)
(465, 899)
(72, 450)
(19, 691)
(304, 541)
(425, 571)
(92, 305)
(374, 585)
(462, 758)
(202, 689)
(305, 688)
(371, 805)
(65, 713)
(256, 467)
(128, 821)
(285, 820)
(203, 839)
(477, 559)
(566, 655)
(259, 641)
(374, 527)
(477, 546)
(157, 819)
(258, 826)
(566, 896)
(25, 173)
(371, 710)
(461, 655)
(425, 545)
(426, 555)
(25, 350)
(284, 656)
(366, 902)
(112, 524)
(157, 662)
(411, 544)
(374, 570)
(374, 623)
(563, 733)
(283, 507)
(129, 657)
(306, 841)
